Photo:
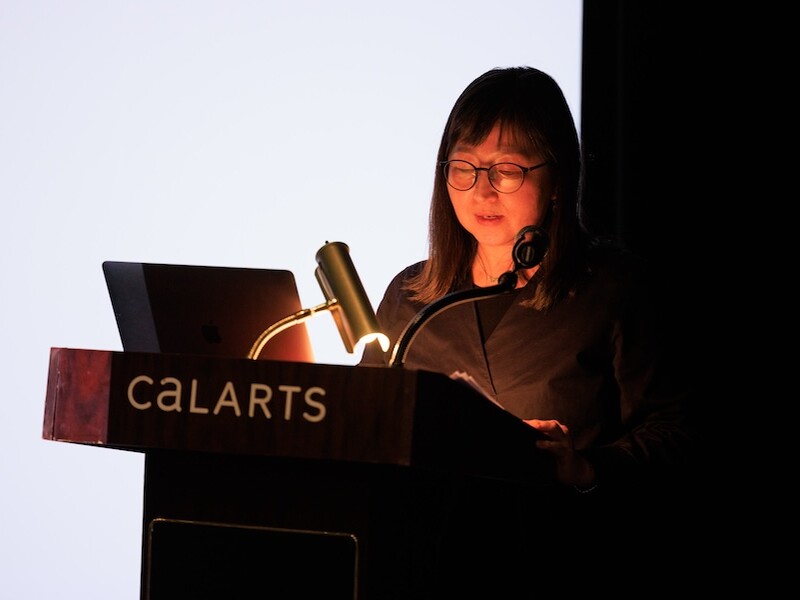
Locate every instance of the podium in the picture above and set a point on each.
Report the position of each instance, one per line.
(268, 479)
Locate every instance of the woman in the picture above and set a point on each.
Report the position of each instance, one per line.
(575, 349)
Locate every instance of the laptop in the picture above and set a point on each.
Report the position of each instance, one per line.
(215, 311)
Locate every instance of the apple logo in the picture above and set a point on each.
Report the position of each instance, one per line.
(211, 333)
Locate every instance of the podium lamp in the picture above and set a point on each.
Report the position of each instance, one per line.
(345, 298)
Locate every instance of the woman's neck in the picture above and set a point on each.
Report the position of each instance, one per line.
(487, 273)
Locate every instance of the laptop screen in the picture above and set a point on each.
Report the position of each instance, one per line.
(217, 311)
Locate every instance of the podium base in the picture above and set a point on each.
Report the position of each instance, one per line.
(193, 559)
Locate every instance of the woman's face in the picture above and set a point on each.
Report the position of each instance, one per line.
(494, 218)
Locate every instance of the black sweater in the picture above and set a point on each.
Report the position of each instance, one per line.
(600, 362)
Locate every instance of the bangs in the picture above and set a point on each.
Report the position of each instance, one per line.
(516, 132)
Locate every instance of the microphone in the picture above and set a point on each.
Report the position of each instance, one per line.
(506, 283)
(529, 250)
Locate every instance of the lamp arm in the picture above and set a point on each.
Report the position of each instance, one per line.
(285, 323)
(506, 283)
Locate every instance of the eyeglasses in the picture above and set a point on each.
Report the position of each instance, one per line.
(504, 177)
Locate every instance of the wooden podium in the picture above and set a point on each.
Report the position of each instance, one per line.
(268, 479)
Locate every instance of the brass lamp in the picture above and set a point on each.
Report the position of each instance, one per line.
(345, 298)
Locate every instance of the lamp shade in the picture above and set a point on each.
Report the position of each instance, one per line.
(349, 304)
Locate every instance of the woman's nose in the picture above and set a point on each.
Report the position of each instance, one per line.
(483, 185)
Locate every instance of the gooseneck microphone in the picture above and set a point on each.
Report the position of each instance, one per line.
(529, 249)
(505, 283)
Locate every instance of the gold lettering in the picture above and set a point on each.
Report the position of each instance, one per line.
(260, 399)
(193, 408)
(289, 390)
(132, 399)
(170, 400)
(228, 398)
(311, 402)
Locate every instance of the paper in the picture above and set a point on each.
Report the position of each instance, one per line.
(468, 379)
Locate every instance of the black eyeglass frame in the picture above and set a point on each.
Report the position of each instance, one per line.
(477, 170)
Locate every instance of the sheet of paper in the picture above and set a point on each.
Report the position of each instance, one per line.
(469, 380)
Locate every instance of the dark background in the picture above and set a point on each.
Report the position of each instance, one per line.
(652, 104)
(662, 128)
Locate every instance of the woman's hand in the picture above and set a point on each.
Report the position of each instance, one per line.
(571, 468)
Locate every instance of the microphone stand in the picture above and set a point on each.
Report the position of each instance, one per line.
(505, 284)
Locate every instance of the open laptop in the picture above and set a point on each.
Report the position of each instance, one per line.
(217, 311)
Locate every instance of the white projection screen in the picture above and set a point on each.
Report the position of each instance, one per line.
(238, 133)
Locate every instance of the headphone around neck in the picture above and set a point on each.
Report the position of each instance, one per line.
(530, 248)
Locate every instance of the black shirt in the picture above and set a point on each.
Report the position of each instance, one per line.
(597, 362)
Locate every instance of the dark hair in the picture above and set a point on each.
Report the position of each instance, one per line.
(529, 106)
